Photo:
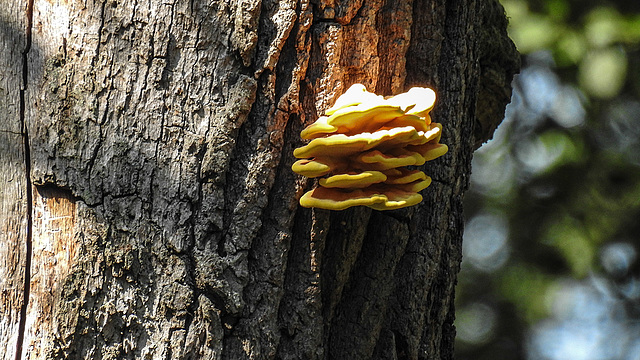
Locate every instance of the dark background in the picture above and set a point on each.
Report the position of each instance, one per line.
(551, 268)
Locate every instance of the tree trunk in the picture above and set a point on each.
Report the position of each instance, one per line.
(147, 205)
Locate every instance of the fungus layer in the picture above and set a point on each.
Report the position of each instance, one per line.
(362, 146)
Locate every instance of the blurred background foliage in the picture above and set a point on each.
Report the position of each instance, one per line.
(550, 267)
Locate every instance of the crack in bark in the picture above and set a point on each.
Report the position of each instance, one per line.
(27, 169)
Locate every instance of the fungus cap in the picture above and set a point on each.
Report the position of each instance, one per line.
(379, 161)
(312, 168)
(318, 129)
(344, 145)
(430, 151)
(353, 181)
(416, 101)
(355, 95)
(403, 176)
(361, 146)
(375, 197)
(353, 116)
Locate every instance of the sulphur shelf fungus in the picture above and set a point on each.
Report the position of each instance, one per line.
(362, 146)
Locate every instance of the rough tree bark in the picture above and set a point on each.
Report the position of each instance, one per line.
(147, 207)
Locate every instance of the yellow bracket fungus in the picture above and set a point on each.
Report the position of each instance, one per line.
(363, 145)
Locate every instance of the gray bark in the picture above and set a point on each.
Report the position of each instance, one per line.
(152, 212)
(14, 206)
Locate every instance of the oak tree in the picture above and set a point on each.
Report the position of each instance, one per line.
(147, 205)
